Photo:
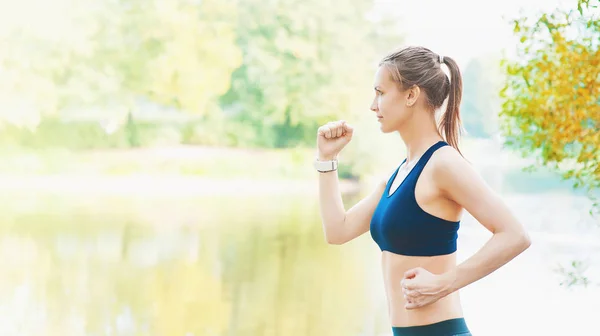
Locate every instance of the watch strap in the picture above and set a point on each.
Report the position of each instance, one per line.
(326, 166)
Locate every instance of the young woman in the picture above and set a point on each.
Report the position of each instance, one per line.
(414, 213)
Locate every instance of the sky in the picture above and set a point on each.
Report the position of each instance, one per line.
(463, 29)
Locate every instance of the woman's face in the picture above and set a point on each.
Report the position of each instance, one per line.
(391, 104)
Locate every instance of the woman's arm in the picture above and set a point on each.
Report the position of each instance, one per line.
(341, 226)
(459, 182)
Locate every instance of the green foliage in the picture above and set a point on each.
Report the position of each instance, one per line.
(51, 132)
(551, 109)
(574, 274)
(175, 53)
(304, 64)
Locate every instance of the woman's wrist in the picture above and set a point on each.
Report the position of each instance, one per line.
(323, 157)
(449, 281)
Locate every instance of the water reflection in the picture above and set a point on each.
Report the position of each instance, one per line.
(244, 266)
(229, 267)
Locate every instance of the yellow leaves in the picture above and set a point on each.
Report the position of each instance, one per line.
(560, 97)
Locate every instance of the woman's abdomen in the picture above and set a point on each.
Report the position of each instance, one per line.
(394, 266)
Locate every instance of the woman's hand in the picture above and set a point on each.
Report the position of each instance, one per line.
(332, 138)
(422, 287)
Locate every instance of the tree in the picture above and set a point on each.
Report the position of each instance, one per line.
(303, 63)
(551, 107)
(176, 53)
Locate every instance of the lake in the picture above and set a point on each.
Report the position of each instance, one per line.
(177, 262)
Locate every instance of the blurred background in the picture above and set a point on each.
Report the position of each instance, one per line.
(156, 162)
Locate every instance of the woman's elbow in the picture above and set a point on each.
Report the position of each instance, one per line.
(522, 241)
(334, 240)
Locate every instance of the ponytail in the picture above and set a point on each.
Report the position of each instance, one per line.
(451, 122)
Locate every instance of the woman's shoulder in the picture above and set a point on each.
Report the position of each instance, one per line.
(448, 158)
(449, 166)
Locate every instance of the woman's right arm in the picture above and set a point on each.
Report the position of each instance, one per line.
(339, 225)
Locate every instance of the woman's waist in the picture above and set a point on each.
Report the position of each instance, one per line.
(394, 267)
(448, 307)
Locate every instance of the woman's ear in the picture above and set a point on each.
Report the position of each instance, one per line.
(412, 95)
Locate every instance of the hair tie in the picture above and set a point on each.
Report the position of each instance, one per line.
(441, 59)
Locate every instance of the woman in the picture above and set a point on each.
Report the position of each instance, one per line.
(414, 213)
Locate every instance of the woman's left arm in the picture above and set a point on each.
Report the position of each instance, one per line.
(459, 182)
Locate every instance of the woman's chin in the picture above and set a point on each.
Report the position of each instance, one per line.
(384, 129)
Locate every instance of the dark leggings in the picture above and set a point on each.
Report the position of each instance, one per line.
(452, 327)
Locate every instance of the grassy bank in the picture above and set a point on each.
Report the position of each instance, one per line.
(500, 166)
(179, 160)
(163, 171)
(186, 160)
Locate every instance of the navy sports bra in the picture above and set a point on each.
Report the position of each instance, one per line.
(400, 226)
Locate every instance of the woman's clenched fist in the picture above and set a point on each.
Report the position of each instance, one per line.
(332, 138)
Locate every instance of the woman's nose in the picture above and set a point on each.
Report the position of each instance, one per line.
(374, 106)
